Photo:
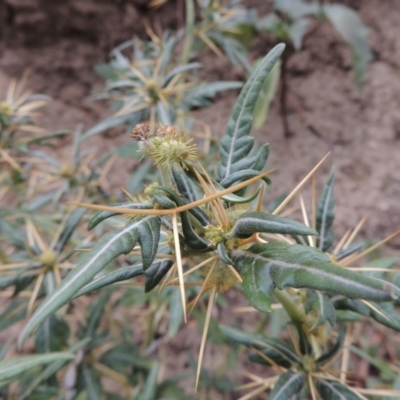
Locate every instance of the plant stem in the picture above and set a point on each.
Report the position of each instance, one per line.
(189, 24)
(296, 315)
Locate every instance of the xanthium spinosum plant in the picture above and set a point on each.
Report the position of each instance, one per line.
(209, 224)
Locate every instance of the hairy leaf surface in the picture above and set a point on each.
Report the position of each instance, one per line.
(325, 215)
(287, 385)
(255, 221)
(332, 390)
(110, 246)
(236, 144)
(11, 369)
(103, 215)
(265, 267)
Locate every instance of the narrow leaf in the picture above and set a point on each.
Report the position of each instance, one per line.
(121, 274)
(279, 265)
(110, 246)
(103, 215)
(260, 342)
(255, 221)
(319, 304)
(156, 272)
(240, 121)
(267, 94)
(348, 23)
(287, 386)
(13, 368)
(333, 390)
(385, 313)
(325, 215)
(335, 348)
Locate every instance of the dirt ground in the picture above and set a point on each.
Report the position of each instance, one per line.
(60, 42)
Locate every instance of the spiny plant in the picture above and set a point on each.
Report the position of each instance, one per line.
(152, 84)
(205, 224)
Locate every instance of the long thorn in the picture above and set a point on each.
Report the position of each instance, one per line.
(179, 263)
(298, 187)
(205, 331)
(356, 230)
(121, 210)
(372, 248)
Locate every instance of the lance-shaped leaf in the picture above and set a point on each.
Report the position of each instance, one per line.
(267, 93)
(287, 386)
(103, 215)
(241, 176)
(333, 390)
(121, 274)
(69, 228)
(255, 221)
(52, 335)
(51, 369)
(277, 346)
(320, 304)
(110, 246)
(12, 369)
(185, 188)
(192, 239)
(265, 267)
(236, 144)
(325, 215)
(335, 348)
(385, 313)
(270, 357)
(156, 272)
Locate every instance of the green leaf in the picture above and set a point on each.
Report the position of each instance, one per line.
(156, 272)
(51, 369)
(95, 314)
(236, 144)
(321, 305)
(192, 239)
(185, 188)
(385, 313)
(271, 354)
(110, 246)
(69, 229)
(297, 31)
(261, 342)
(129, 150)
(151, 384)
(335, 348)
(92, 383)
(200, 95)
(296, 9)
(278, 265)
(256, 286)
(121, 274)
(287, 385)
(103, 215)
(347, 22)
(52, 335)
(12, 369)
(12, 314)
(108, 123)
(241, 176)
(333, 390)
(267, 94)
(325, 215)
(255, 221)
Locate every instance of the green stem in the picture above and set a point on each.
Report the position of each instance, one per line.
(188, 41)
(295, 313)
(189, 25)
